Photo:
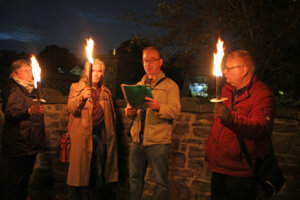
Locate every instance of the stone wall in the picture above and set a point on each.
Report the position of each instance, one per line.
(189, 178)
(111, 69)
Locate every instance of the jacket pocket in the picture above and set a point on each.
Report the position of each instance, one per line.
(229, 146)
(159, 133)
(161, 95)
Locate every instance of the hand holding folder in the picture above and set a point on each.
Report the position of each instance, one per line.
(135, 95)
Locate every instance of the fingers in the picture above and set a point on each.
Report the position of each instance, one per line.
(152, 103)
(131, 111)
(218, 109)
(35, 109)
(86, 93)
(88, 88)
(221, 111)
(148, 99)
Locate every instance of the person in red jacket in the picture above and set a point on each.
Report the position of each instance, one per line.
(248, 112)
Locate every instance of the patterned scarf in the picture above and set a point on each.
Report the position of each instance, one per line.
(27, 85)
(98, 113)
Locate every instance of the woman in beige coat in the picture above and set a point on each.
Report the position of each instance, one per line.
(93, 156)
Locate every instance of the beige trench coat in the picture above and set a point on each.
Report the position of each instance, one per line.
(80, 127)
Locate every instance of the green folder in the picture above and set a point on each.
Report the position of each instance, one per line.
(135, 95)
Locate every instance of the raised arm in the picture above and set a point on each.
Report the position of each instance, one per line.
(77, 98)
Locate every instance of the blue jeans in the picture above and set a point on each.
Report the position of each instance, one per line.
(97, 177)
(157, 157)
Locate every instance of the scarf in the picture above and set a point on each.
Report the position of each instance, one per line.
(27, 85)
(98, 113)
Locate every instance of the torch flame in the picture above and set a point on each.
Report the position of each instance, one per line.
(36, 70)
(218, 58)
(89, 50)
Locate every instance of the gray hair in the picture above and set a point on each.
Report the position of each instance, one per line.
(17, 64)
(84, 74)
(246, 58)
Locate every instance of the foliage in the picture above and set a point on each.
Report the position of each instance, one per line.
(6, 59)
(50, 59)
(130, 68)
(54, 57)
(268, 29)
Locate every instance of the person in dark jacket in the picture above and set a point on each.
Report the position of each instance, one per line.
(23, 131)
(248, 112)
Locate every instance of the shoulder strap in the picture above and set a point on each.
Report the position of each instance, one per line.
(245, 151)
(242, 142)
(131, 123)
(158, 82)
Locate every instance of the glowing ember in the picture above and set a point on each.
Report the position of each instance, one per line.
(218, 58)
(36, 70)
(89, 50)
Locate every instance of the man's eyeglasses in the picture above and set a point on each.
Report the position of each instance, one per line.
(230, 68)
(151, 60)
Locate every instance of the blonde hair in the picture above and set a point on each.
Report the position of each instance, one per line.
(84, 74)
(245, 57)
(17, 64)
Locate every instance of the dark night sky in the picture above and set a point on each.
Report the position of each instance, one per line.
(33, 24)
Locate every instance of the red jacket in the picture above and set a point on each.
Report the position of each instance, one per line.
(251, 117)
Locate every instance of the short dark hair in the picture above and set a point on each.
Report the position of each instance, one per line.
(153, 48)
(17, 64)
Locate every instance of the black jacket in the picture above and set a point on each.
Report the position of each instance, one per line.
(22, 134)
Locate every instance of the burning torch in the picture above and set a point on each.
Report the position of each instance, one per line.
(36, 71)
(217, 70)
(89, 51)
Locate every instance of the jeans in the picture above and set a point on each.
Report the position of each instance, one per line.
(224, 187)
(18, 175)
(157, 157)
(97, 177)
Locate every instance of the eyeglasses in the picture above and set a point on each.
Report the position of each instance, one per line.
(230, 68)
(151, 60)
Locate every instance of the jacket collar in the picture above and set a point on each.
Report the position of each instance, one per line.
(155, 79)
(24, 90)
(244, 91)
